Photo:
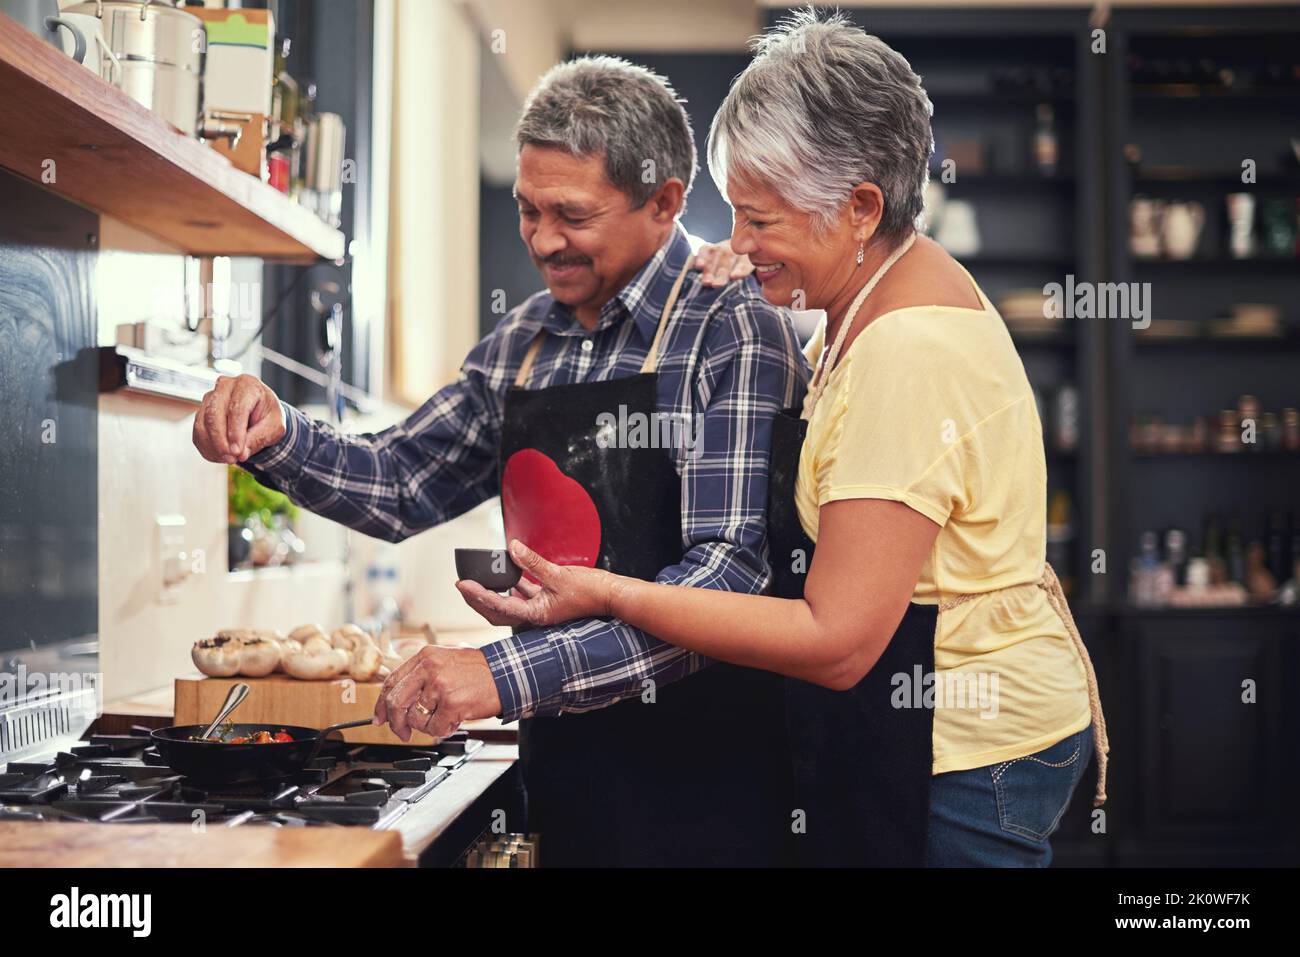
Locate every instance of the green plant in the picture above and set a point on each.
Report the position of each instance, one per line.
(248, 497)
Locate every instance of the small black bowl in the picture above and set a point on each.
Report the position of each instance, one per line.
(493, 568)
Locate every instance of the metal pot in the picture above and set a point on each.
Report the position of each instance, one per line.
(162, 50)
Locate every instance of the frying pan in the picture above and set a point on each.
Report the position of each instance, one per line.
(211, 762)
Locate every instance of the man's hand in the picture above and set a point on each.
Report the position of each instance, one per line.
(240, 416)
(435, 690)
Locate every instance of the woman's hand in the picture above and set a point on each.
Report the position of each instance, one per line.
(562, 592)
(720, 265)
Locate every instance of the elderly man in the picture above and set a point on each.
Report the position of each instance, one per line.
(633, 751)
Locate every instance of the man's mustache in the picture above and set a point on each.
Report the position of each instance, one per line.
(557, 260)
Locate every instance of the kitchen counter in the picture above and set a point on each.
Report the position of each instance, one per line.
(164, 845)
(423, 825)
(429, 819)
(59, 844)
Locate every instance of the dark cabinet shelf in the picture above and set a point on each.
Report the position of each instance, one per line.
(1170, 678)
(999, 181)
(1001, 260)
(1263, 345)
(1228, 180)
(1210, 612)
(1253, 263)
(1018, 98)
(1272, 457)
(1055, 339)
(1203, 92)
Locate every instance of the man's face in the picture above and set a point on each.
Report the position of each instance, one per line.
(581, 231)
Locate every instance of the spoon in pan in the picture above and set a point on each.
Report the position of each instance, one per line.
(233, 700)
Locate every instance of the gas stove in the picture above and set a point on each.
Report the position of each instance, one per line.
(120, 779)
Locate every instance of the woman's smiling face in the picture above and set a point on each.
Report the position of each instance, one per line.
(796, 264)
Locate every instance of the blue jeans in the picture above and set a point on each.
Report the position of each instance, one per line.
(1002, 815)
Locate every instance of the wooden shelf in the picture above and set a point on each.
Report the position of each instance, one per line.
(113, 156)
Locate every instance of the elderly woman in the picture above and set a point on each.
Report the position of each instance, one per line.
(941, 703)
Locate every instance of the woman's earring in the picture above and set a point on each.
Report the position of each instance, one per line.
(861, 254)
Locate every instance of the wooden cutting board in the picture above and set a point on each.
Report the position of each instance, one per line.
(279, 699)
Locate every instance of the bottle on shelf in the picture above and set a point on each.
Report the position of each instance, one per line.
(1046, 147)
(1212, 549)
(285, 137)
(1176, 554)
(1235, 552)
(1065, 418)
(1060, 538)
(1277, 546)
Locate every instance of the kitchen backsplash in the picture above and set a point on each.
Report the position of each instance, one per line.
(148, 468)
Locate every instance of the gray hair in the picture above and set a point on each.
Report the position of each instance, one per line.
(606, 105)
(822, 107)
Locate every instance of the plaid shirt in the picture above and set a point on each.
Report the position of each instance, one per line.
(727, 355)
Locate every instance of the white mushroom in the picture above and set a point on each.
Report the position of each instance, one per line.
(390, 659)
(303, 632)
(365, 663)
(315, 660)
(218, 657)
(282, 644)
(364, 659)
(259, 656)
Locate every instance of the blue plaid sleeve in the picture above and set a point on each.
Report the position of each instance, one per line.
(436, 464)
(749, 368)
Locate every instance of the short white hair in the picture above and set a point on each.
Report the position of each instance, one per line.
(604, 105)
(822, 107)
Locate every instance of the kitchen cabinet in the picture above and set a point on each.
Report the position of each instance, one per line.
(1198, 776)
(1214, 769)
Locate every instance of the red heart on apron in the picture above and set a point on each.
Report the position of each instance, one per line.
(548, 511)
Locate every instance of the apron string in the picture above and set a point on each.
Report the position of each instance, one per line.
(530, 356)
(1056, 598)
(651, 357)
(824, 368)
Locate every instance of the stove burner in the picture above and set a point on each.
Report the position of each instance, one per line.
(121, 779)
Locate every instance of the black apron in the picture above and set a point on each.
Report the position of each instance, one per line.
(862, 767)
(699, 777)
(862, 758)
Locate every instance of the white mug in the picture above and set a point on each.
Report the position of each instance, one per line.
(1180, 227)
(958, 232)
(99, 58)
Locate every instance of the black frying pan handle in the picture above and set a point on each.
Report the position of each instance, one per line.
(347, 724)
(320, 739)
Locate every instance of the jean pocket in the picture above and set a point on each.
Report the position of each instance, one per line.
(1034, 791)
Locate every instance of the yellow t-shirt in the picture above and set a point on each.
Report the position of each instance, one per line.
(930, 406)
